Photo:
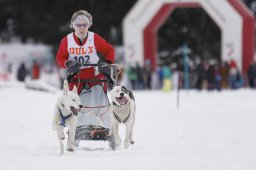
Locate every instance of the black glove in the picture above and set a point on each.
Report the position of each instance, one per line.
(73, 67)
(71, 63)
(104, 68)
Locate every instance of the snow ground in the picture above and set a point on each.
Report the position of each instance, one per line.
(209, 131)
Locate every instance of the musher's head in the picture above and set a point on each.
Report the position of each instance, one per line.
(81, 21)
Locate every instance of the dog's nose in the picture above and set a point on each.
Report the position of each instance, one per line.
(81, 106)
(121, 94)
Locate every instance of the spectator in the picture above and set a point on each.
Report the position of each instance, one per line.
(160, 75)
(175, 77)
(201, 74)
(167, 75)
(132, 76)
(22, 72)
(224, 72)
(236, 80)
(147, 76)
(10, 67)
(140, 80)
(233, 75)
(218, 78)
(155, 82)
(211, 77)
(35, 74)
(232, 64)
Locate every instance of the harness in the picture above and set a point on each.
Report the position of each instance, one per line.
(64, 118)
(118, 118)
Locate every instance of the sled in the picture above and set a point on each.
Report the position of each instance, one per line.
(94, 120)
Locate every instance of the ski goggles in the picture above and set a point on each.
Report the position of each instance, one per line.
(78, 18)
(82, 25)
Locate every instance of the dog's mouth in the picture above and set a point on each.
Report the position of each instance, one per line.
(74, 110)
(122, 100)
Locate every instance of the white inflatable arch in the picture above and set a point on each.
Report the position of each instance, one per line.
(234, 19)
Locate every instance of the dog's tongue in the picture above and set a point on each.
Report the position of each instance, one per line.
(74, 110)
(122, 100)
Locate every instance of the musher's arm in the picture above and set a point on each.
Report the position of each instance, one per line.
(103, 47)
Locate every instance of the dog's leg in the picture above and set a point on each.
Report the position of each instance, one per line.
(61, 146)
(118, 140)
(131, 136)
(61, 137)
(71, 137)
(127, 136)
(60, 132)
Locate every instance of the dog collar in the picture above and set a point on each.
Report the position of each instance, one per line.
(63, 118)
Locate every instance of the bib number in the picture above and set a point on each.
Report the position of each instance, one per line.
(82, 59)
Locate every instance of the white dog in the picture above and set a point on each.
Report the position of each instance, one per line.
(66, 108)
(123, 111)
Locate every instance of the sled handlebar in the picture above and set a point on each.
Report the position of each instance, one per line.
(115, 70)
(88, 64)
(90, 80)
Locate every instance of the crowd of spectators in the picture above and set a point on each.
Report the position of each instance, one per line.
(202, 75)
(33, 72)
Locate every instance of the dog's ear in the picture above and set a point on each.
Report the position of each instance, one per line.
(124, 89)
(75, 89)
(65, 87)
(131, 95)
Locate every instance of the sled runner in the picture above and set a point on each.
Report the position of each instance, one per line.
(94, 120)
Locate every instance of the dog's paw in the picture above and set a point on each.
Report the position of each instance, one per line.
(132, 142)
(70, 149)
(70, 146)
(126, 144)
